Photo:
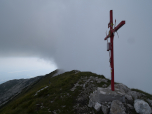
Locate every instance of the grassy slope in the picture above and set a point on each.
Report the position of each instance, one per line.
(56, 96)
(50, 98)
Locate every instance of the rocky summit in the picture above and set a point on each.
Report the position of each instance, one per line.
(73, 92)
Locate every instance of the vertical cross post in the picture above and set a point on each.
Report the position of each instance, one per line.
(112, 58)
(111, 35)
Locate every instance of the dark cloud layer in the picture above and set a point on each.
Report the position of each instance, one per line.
(68, 32)
(71, 33)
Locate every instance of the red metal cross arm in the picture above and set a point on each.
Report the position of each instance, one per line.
(115, 29)
(110, 45)
(119, 26)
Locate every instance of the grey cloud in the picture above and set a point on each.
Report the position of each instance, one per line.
(66, 32)
(71, 33)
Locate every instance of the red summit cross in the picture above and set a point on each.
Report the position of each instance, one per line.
(110, 45)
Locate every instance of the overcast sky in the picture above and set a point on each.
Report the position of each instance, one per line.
(39, 36)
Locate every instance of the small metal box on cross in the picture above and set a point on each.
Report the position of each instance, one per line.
(110, 45)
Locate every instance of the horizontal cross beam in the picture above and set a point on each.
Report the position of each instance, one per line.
(119, 26)
(115, 29)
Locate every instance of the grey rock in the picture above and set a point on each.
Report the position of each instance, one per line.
(127, 91)
(40, 90)
(97, 106)
(149, 101)
(129, 97)
(109, 103)
(104, 80)
(142, 107)
(82, 99)
(105, 109)
(99, 80)
(121, 87)
(124, 90)
(134, 94)
(91, 101)
(75, 85)
(105, 95)
(82, 110)
(130, 106)
(86, 81)
(104, 86)
(84, 86)
(117, 107)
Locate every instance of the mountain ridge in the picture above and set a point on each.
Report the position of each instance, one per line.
(11, 88)
(72, 92)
